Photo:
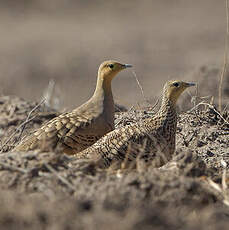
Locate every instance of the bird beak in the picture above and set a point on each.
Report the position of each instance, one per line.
(127, 66)
(190, 84)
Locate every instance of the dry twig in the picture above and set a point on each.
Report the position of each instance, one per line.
(140, 86)
(12, 168)
(28, 117)
(22, 126)
(62, 179)
(225, 58)
(223, 189)
(211, 107)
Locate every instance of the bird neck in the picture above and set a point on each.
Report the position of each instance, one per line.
(168, 108)
(103, 94)
(103, 88)
(166, 124)
(167, 117)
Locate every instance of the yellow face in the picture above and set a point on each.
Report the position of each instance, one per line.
(109, 69)
(175, 88)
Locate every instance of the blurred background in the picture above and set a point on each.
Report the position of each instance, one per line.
(63, 42)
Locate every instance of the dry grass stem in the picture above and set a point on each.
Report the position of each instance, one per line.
(29, 115)
(224, 188)
(12, 168)
(210, 106)
(225, 58)
(62, 179)
(22, 126)
(140, 86)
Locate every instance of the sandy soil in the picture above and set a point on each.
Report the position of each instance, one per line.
(54, 191)
(67, 40)
(59, 45)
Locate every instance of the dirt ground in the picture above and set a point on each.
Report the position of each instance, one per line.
(52, 49)
(65, 41)
(55, 191)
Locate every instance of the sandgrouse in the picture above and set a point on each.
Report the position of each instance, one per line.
(76, 130)
(154, 136)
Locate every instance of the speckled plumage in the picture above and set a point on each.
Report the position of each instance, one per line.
(76, 130)
(155, 136)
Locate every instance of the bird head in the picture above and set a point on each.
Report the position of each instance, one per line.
(109, 69)
(173, 89)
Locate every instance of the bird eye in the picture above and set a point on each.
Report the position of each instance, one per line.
(111, 66)
(176, 84)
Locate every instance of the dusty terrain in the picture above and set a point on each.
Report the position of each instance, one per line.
(67, 40)
(53, 48)
(55, 191)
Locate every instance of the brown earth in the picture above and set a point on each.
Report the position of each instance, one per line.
(54, 48)
(54, 191)
(65, 41)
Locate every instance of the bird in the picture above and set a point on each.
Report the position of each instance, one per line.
(74, 131)
(148, 139)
